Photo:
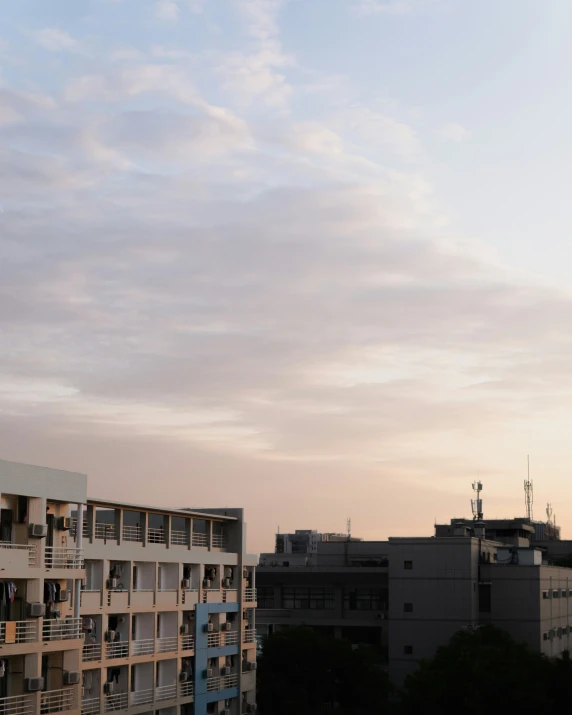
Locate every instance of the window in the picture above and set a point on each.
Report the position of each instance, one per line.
(555, 593)
(408, 608)
(408, 565)
(564, 593)
(546, 636)
(364, 599)
(312, 598)
(484, 598)
(545, 594)
(265, 596)
(407, 650)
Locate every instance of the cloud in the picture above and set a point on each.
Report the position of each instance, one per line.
(383, 7)
(197, 6)
(454, 133)
(55, 40)
(167, 10)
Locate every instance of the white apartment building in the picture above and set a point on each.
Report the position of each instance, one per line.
(108, 607)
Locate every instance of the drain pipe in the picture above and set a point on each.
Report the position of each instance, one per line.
(79, 546)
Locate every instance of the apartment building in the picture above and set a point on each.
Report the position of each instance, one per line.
(110, 607)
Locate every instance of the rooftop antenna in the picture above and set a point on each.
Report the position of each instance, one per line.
(549, 513)
(528, 491)
(477, 504)
(349, 526)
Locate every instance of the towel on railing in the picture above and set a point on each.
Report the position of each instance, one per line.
(10, 635)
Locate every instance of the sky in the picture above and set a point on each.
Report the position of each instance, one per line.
(308, 257)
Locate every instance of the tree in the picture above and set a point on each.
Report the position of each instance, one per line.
(304, 672)
(479, 672)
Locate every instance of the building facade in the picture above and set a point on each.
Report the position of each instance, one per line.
(112, 607)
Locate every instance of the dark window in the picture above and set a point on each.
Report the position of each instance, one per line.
(484, 598)
(408, 608)
(365, 599)
(408, 650)
(265, 596)
(408, 565)
(312, 598)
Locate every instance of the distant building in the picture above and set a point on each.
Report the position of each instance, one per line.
(305, 541)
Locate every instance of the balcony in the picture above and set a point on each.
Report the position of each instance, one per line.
(228, 681)
(91, 652)
(116, 701)
(132, 533)
(166, 692)
(90, 706)
(218, 541)
(179, 538)
(17, 705)
(186, 690)
(249, 595)
(155, 536)
(117, 650)
(143, 647)
(55, 701)
(231, 638)
(200, 539)
(18, 554)
(213, 684)
(141, 697)
(249, 636)
(63, 557)
(73, 530)
(58, 629)
(168, 644)
(187, 642)
(213, 640)
(106, 532)
(19, 632)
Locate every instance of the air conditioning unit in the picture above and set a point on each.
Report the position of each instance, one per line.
(251, 708)
(227, 626)
(208, 673)
(33, 685)
(109, 636)
(209, 627)
(108, 688)
(252, 665)
(72, 677)
(36, 610)
(112, 582)
(206, 583)
(225, 670)
(226, 583)
(63, 595)
(186, 583)
(64, 523)
(184, 630)
(38, 531)
(183, 676)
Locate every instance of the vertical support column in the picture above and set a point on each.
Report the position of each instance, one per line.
(91, 522)
(167, 530)
(210, 534)
(33, 669)
(79, 546)
(189, 530)
(144, 524)
(119, 525)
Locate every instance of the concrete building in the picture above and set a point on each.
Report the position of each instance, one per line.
(109, 607)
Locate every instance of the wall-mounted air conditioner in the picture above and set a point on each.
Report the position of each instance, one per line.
(38, 531)
(208, 673)
(206, 583)
(112, 582)
(186, 583)
(108, 688)
(33, 685)
(227, 626)
(36, 610)
(226, 583)
(225, 670)
(63, 595)
(251, 665)
(109, 636)
(185, 629)
(63, 523)
(209, 627)
(72, 677)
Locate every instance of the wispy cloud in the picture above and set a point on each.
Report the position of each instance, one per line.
(55, 40)
(452, 132)
(167, 10)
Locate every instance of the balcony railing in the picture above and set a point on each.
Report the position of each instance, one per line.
(116, 701)
(187, 642)
(91, 651)
(30, 548)
(168, 644)
(249, 636)
(132, 533)
(17, 705)
(179, 538)
(186, 689)
(55, 701)
(213, 684)
(200, 539)
(213, 640)
(141, 697)
(63, 557)
(250, 595)
(155, 536)
(73, 530)
(143, 647)
(218, 541)
(166, 692)
(105, 531)
(117, 650)
(90, 706)
(26, 632)
(56, 629)
(228, 681)
(231, 638)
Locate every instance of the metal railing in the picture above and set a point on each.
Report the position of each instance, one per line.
(144, 646)
(213, 683)
(179, 538)
(132, 533)
(117, 650)
(63, 557)
(141, 697)
(199, 539)
(167, 644)
(228, 681)
(187, 642)
(57, 629)
(26, 632)
(55, 701)
(250, 595)
(231, 638)
(105, 531)
(91, 651)
(73, 530)
(166, 692)
(90, 706)
(249, 636)
(17, 705)
(116, 701)
(155, 536)
(218, 541)
(186, 689)
(30, 548)
(213, 640)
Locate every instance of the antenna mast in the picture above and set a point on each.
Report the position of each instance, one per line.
(349, 527)
(477, 504)
(549, 513)
(528, 491)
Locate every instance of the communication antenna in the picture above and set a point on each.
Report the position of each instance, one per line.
(549, 513)
(349, 526)
(528, 491)
(477, 504)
